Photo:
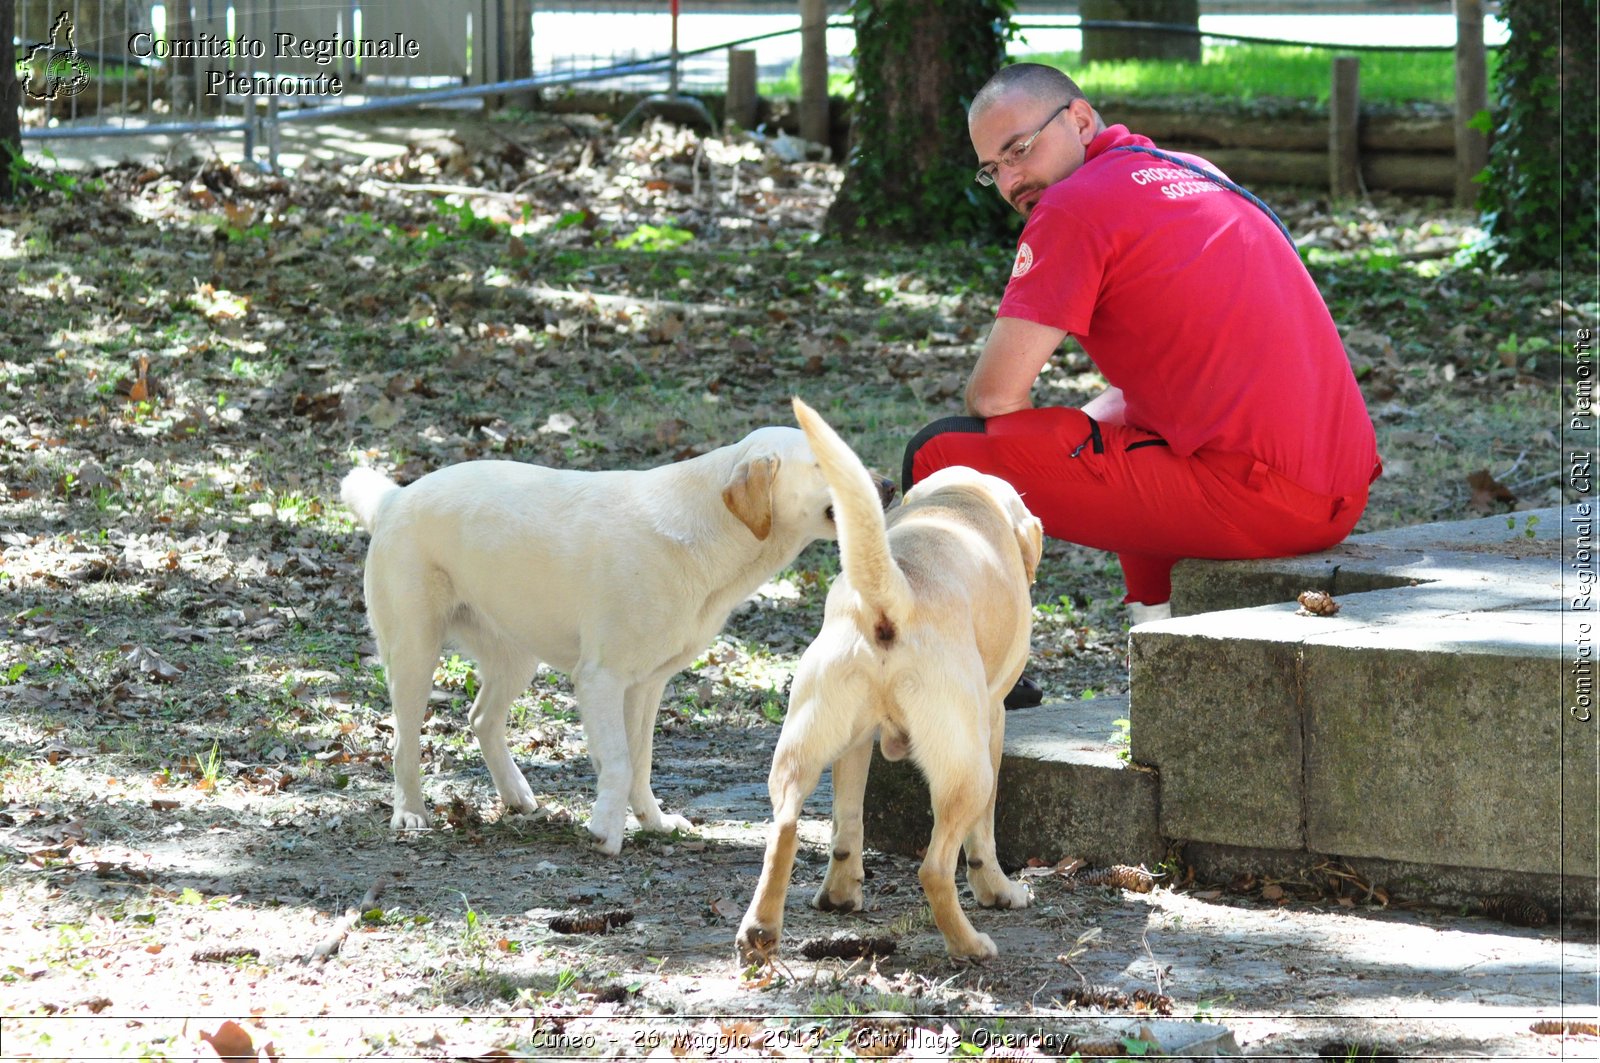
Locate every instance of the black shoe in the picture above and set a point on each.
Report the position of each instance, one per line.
(1025, 695)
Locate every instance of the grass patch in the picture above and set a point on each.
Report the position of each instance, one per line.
(1253, 72)
(1236, 73)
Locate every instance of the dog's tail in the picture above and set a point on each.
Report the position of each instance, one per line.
(863, 534)
(363, 491)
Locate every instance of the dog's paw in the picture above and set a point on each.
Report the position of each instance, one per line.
(1003, 894)
(608, 842)
(838, 899)
(520, 806)
(977, 947)
(520, 799)
(404, 819)
(666, 823)
(756, 943)
(1015, 895)
(607, 824)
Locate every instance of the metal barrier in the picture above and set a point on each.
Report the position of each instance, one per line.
(121, 68)
(108, 68)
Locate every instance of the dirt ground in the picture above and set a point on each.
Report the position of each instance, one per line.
(195, 858)
(164, 922)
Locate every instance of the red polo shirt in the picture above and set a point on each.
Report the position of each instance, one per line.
(1188, 298)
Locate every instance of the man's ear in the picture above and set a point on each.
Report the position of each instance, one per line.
(748, 494)
(1085, 122)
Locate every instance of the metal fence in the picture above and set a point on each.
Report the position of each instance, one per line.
(105, 68)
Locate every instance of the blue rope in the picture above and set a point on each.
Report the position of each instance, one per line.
(1217, 179)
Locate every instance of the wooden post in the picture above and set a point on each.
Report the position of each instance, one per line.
(1472, 98)
(486, 33)
(1344, 128)
(814, 70)
(515, 50)
(743, 103)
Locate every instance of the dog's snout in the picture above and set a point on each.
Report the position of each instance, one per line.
(886, 491)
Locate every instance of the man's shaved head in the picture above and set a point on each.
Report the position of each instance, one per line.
(1044, 83)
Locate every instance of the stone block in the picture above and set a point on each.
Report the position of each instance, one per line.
(1214, 712)
(1442, 742)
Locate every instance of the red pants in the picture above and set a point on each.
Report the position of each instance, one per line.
(1121, 489)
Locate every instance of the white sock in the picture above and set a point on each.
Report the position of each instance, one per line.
(1139, 613)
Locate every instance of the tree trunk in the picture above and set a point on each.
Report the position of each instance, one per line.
(1101, 44)
(10, 103)
(918, 65)
(814, 120)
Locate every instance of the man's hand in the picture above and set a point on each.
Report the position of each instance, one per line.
(1012, 356)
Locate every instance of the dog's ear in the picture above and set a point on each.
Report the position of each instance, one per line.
(748, 494)
(1030, 536)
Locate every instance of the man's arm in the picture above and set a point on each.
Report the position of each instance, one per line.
(1015, 351)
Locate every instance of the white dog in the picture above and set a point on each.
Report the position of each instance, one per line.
(618, 579)
(925, 630)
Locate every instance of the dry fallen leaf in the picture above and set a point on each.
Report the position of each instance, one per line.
(1488, 494)
(152, 664)
(138, 389)
(231, 1042)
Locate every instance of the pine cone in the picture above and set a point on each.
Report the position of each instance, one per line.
(1120, 876)
(575, 922)
(1109, 998)
(1316, 603)
(1516, 911)
(846, 947)
(1566, 1029)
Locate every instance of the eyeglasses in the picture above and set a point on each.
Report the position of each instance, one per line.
(1014, 155)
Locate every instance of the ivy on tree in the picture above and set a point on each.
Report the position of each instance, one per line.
(1539, 194)
(909, 176)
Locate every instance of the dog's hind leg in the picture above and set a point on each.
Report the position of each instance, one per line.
(601, 697)
(501, 677)
(410, 653)
(989, 882)
(841, 888)
(639, 706)
(822, 727)
(792, 780)
(960, 792)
